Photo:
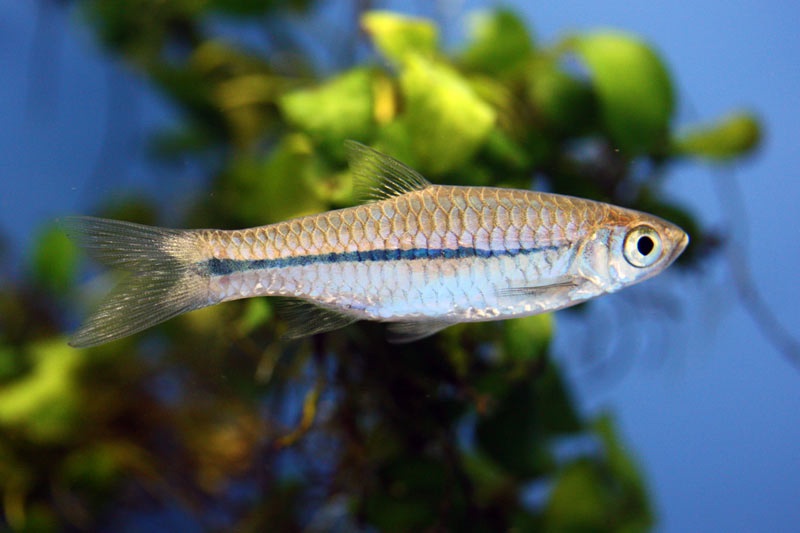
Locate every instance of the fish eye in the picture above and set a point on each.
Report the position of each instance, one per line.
(642, 246)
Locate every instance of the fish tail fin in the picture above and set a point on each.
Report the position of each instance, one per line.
(162, 276)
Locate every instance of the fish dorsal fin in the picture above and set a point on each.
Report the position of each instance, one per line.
(305, 318)
(379, 176)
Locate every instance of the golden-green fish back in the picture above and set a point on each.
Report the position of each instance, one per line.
(421, 257)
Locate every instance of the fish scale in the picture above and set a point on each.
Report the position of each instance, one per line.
(408, 288)
(395, 223)
(420, 257)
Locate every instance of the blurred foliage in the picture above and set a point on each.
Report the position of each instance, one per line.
(728, 138)
(210, 421)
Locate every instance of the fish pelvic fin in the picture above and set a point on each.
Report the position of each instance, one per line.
(160, 281)
(304, 318)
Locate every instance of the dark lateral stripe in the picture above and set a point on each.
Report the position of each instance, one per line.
(223, 267)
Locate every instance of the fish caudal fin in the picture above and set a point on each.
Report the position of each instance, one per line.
(161, 277)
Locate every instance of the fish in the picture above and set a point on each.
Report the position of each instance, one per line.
(418, 256)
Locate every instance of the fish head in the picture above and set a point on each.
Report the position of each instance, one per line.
(637, 246)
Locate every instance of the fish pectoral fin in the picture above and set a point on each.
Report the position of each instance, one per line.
(535, 290)
(378, 176)
(304, 318)
(402, 332)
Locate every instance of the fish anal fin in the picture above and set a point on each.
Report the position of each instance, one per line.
(410, 331)
(379, 176)
(304, 318)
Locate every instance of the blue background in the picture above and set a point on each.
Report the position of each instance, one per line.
(710, 408)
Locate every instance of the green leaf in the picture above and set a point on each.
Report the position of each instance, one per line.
(526, 339)
(444, 121)
(397, 36)
(11, 363)
(45, 402)
(54, 261)
(488, 479)
(408, 496)
(517, 430)
(733, 136)
(257, 312)
(500, 43)
(633, 500)
(511, 435)
(597, 494)
(633, 88)
(579, 501)
(558, 415)
(137, 29)
(245, 8)
(95, 466)
(565, 103)
(38, 518)
(340, 109)
(277, 188)
(504, 152)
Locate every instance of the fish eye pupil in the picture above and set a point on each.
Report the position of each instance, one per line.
(645, 245)
(642, 247)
